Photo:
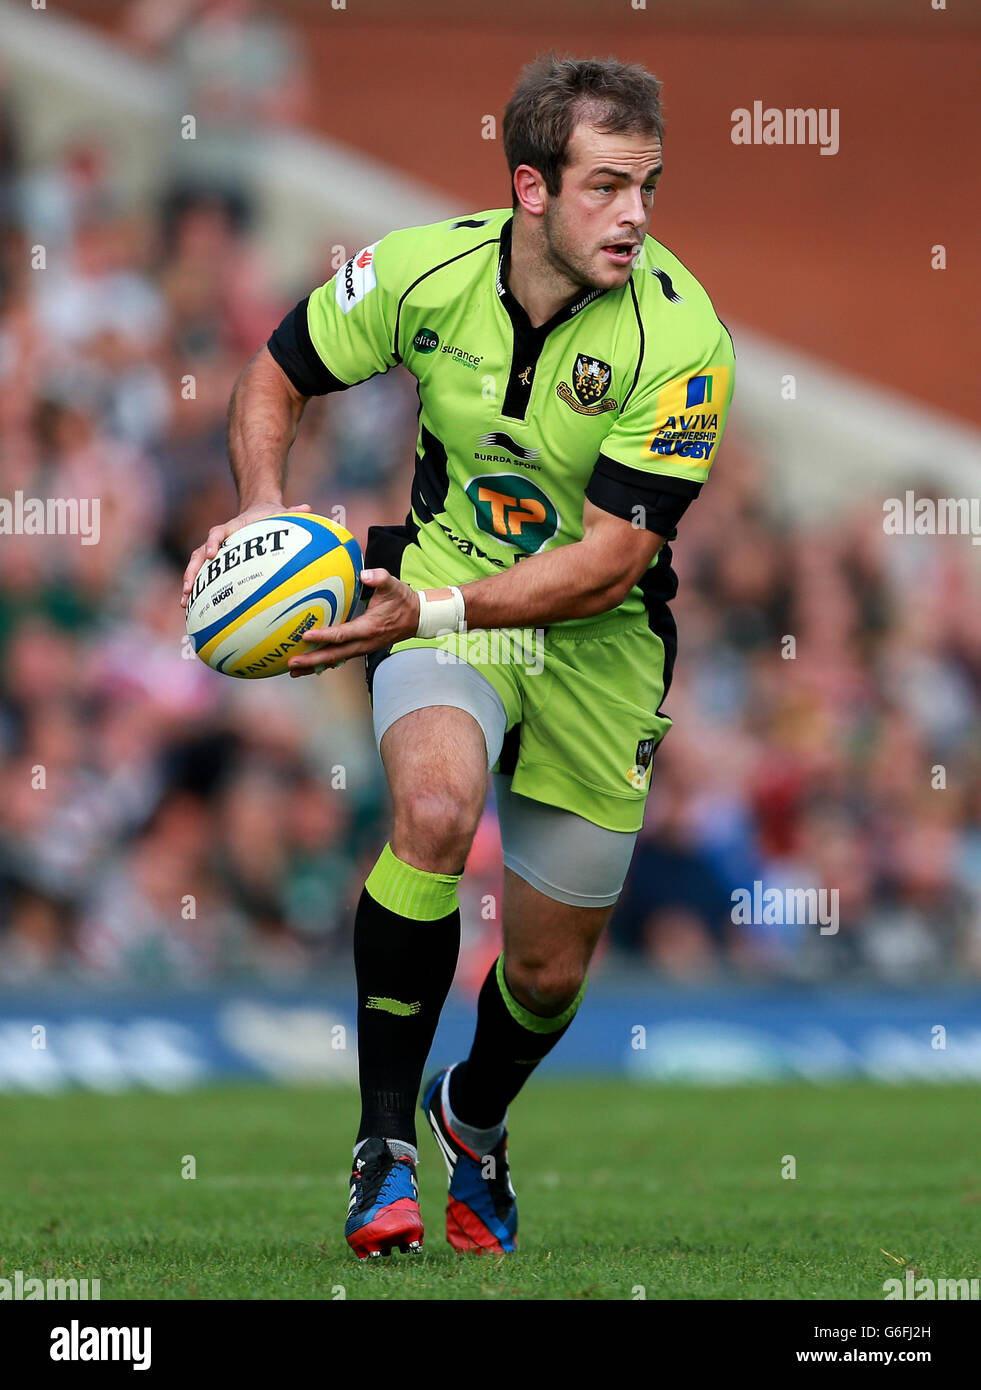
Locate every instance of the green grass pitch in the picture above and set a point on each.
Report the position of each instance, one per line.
(676, 1191)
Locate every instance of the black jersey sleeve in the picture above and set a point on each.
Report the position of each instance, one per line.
(654, 503)
(290, 347)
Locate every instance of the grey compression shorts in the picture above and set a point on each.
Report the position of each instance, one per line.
(561, 854)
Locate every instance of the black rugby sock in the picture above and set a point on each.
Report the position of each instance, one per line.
(406, 943)
(509, 1042)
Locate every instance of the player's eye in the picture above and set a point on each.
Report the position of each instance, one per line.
(605, 188)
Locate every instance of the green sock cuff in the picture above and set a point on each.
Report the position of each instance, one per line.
(411, 892)
(535, 1023)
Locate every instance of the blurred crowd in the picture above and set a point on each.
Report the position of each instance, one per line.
(160, 824)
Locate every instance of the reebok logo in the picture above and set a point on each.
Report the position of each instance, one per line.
(355, 279)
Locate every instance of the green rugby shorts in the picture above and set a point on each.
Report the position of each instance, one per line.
(581, 705)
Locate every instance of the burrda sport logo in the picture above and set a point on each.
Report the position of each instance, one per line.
(514, 510)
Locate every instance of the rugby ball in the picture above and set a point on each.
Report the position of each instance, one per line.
(270, 583)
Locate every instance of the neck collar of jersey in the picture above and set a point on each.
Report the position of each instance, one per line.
(516, 311)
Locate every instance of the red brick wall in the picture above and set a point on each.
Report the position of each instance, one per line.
(830, 253)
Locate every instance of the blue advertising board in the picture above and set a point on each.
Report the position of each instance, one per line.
(51, 1042)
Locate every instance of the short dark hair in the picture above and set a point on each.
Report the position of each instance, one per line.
(553, 95)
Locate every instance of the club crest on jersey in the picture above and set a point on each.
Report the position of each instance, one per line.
(590, 381)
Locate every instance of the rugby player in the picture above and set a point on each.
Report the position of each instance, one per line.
(573, 382)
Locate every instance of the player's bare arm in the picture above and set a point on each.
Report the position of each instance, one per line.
(263, 417)
(578, 580)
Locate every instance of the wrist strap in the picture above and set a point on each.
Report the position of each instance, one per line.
(438, 616)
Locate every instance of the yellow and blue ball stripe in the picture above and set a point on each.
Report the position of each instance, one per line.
(324, 578)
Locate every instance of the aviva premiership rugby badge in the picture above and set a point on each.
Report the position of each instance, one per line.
(590, 381)
(638, 775)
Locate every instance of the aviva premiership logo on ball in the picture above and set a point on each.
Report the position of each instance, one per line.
(514, 510)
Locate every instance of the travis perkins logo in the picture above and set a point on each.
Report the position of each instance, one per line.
(591, 380)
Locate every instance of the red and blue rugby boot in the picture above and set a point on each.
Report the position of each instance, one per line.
(383, 1214)
(481, 1211)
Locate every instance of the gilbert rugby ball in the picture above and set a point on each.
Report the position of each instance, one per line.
(269, 583)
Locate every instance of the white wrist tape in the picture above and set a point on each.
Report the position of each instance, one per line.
(441, 615)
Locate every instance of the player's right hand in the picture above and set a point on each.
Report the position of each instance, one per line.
(218, 534)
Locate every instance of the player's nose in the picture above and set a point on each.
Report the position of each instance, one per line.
(633, 212)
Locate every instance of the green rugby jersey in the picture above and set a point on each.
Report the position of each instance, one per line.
(621, 397)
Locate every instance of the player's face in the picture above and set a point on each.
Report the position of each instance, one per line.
(595, 227)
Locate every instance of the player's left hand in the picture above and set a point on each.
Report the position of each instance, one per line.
(391, 616)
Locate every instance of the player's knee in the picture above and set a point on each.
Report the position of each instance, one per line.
(545, 987)
(434, 825)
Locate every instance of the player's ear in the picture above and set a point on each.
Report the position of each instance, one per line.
(529, 187)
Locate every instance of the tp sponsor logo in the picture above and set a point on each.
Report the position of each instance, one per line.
(514, 510)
